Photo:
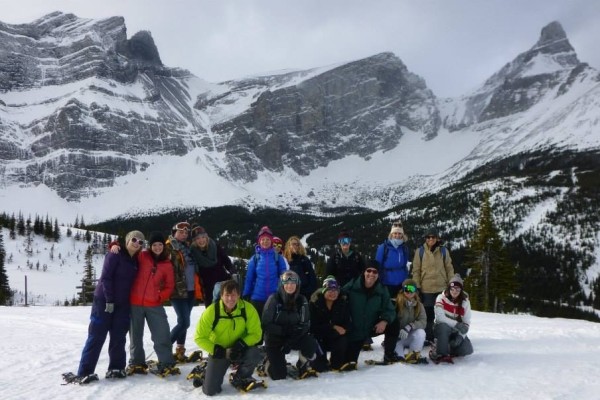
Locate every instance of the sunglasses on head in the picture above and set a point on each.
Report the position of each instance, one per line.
(136, 240)
(409, 288)
(289, 279)
(372, 271)
(181, 226)
(345, 240)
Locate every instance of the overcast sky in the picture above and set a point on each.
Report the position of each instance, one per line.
(454, 44)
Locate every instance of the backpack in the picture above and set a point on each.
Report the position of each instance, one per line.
(218, 314)
(277, 255)
(442, 249)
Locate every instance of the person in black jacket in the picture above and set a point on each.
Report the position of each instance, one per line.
(295, 254)
(345, 263)
(329, 323)
(285, 322)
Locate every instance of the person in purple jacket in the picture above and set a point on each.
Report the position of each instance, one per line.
(264, 270)
(110, 313)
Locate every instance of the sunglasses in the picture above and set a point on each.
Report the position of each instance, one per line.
(136, 240)
(289, 279)
(409, 288)
(455, 288)
(430, 237)
(372, 271)
(345, 240)
(181, 226)
(279, 245)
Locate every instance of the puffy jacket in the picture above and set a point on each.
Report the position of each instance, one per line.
(285, 315)
(408, 315)
(393, 263)
(322, 319)
(230, 328)
(118, 273)
(154, 282)
(367, 307)
(433, 273)
(262, 276)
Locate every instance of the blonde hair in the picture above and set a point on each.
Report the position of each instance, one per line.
(287, 252)
(401, 303)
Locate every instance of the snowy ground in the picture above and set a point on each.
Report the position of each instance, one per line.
(515, 357)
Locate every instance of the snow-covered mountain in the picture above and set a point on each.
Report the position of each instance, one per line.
(92, 117)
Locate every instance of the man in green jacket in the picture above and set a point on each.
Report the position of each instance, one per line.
(372, 314)
(229, 330)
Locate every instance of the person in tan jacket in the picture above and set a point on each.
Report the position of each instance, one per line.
(431, 270)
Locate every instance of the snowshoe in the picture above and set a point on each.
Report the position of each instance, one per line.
(179, 355)
(349, 366)
(163, 370)
(197, 374)
(133, 369)
(116, 374)
(367, 347)
(71, 378)
(194, 356)
(261, 369)
(414, 357)
(301, 371)
(439, 358)
(246, 384)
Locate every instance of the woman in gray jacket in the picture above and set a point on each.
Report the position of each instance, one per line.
(413, 319)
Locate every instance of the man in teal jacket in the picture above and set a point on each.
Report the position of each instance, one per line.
(372, 314)
(229, 330)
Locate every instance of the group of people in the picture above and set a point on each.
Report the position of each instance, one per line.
(280, 307)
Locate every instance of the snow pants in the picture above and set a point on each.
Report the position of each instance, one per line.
(277, 347)
(102, 324)
(159, 333)
(445, 336)
(217, 368)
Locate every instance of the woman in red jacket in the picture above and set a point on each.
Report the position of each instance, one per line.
(152, 286)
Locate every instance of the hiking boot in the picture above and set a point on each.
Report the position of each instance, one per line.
(179, 354)
(391, 358)
(367, 347)
(194, 356)
(412, 357)
(116, 374)
(435, 357)
(133, 369)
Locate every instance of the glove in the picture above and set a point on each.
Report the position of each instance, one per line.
(462, 328)
(219, 352)
(110, 307)
(237, 350)
(456, 341)
(403, 334)
(236, 277)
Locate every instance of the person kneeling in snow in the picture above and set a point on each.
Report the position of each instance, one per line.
(452, 320)
(229, 329)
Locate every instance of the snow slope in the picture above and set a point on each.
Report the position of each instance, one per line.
(516, 357)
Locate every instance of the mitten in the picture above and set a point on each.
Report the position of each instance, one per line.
(403, 334)
(110, 307)
(219, 352)
(462, 328)
(237, 350)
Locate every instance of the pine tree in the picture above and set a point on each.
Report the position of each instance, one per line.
(12, 224)
(56, 231)
(88, 282)
(492, 278)
(20, 225)
(47, 229)
(5, 292)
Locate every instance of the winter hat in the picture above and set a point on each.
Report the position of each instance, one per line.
(344, 234)
(134, 234)
(406, 286)
(456, 281)
(330, 284)
(431, 232)
(396, 229)
(373, 263)
(198, 231)
(156, 237)
(264, 231)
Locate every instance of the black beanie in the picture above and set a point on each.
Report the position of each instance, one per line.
(156, 237)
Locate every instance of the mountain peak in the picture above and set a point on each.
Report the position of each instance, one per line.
(553, 40)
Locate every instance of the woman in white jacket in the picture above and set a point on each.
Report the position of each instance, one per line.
(452, 321)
